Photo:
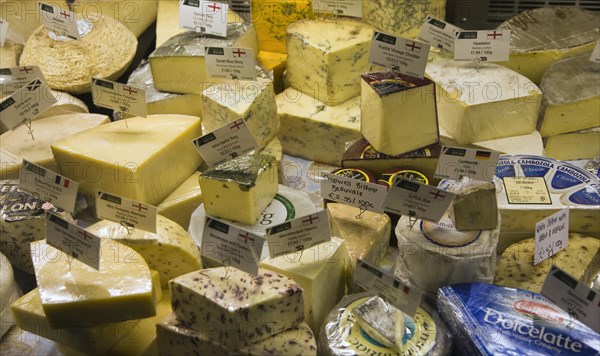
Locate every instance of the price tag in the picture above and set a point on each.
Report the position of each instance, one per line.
(458, 162)
(48, 186)
(127, 212)
(403, 297)
(551, 235)
(203, 17)
(226, 143)
(3, 31)
(438, 33)
(526, 190)
(231, 63)
(13, 79)
(596, 53)
(411, 198)
(299, 234)
(120, 97)
(26, 104)
(399, 54)
(361, 194)
(350, 8)
(573, 296)
(73, 240)
(486, 46)
(61, 22)
(231, 246)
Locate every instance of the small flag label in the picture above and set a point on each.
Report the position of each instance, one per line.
(207, 17)
(418, 200)
(231, 63)
(299, 234)
(15, 78)
(48, 186)
(26, 104)
(61, 22)
(438, 33)
(350, 8)
(486, 46)
(127, 212)
(226, 143)
(399, 54)
(361, 194)
(457, 162)
(126, 99)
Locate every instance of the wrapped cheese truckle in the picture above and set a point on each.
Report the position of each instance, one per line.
(515, 266)
(327, 57)
(9, 292)
(235, 308)
(398, 112)
(105, 53)
(583, 144)
(475, 206)
(485, 101)
(542, 36)
(314, 130)
(401, 17)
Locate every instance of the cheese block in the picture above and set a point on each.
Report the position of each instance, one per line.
(132, 158)
(75, 294)
(275, 62)
(271, 19)
(104, 53)
(253, 101)
(46, 132)
(314, 130)
(9, 293)
(542, 36)
(182, 202)
(176, 339)
(8, 57)
(474, 207)
(240, 189)
(366, 234)
(137, 16)
(234, 308)
(274, 149)
(401, 17)
(170, 251)
(382, 321)
(528, 144)
(584, 144)
(326, 57)
(571, 99)
(23, 18)
(321, 272)
(10, 165)
(179, 66)
(398, 112)
(485, 101)
(515, 266)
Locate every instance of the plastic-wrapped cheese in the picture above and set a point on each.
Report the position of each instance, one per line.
(9, 292)
(136, 15)
(104, 53)
(576, 145)
(382, 321)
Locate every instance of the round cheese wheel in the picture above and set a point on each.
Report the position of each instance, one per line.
(65, 104)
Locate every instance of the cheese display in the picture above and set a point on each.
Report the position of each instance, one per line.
(321, 273)
(528, 144)
(75, 294)
(10, 165)
(132, 158)
(272, 18)
(584, 144)
(390, 101)
(9, 293)
(104, 53)
(402, 18)
(327, 57)
(485, 101)
(179, 66)
(571, 99)
(137, 16)
(253, 101)
(240, 189)
(316, 131)
(542, 36)
(234, 307)
(474, 207)
(46, 132)
(490, 320)
(458, 256)
(515, 267)
(274, 62)
(182, 202)
(382, 321)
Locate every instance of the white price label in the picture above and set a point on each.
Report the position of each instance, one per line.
(299, 234)
(551, 235)
(526, 190)
(596, 53)
(399, 54)
(414, 199)
(45, 185)
(350, 8)
(3, 31)
(61, 22)
(123, 98)
(26, 104)
(204, 17)
(13, 79)
(226, 143)
(358, 193)
(231, 63)
(438, 33)
(73, 240)
(486, 46)
(458, 162)
(573, 296)
(127, 212)
(231, 246)
(403, 297)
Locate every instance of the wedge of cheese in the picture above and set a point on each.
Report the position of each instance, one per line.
(271, 19)
(528, 144)
(275, 62)
(23, 18)
(401, 17)
(180, 204)
(382, 321)
(136, 15)
(132, 158)
(584, 144)
(9, 292)
(474, 207)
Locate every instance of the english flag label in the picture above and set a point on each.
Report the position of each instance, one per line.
(226, 143)
(73, 240)
(208, 17)
(231, 63)
(484, 46)
(127, 212)
(299, 234)
(399, 54)
(418, 200)
(126, 99)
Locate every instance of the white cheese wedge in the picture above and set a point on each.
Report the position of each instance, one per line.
(271, 19)
(528, 144)
(133, 158)
(180, 204)
(390, 102)
(480, 102)
(584, 144)
(316, 131)
(234, 308)
(474, 207)
(326, 58)
(136, 15)
(401, 17)
(382, 321)
(10, 165)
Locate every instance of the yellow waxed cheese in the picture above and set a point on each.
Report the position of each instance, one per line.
(143, 159)
(180, 204)
(271, 19)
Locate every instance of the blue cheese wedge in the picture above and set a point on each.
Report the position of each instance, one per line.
(401, 17)
(475, 206)
(382, 322)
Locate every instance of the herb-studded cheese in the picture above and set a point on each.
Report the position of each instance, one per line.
(180, 204)
(475, 206)
(479, 102)
(327, 57)
(582, 144)
(382, 321)
(271, 19)
(234, 308)
(316, 131)
(401, 17)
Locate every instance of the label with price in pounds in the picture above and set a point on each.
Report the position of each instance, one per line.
(526, 190)
(486, 46)
(361, 194)
(226, 143)
(231, 63)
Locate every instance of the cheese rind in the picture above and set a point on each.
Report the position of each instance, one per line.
(474, 207)
(180, 204)
(9, 292)
(402, 18)
(584, 144)
(528, 144)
